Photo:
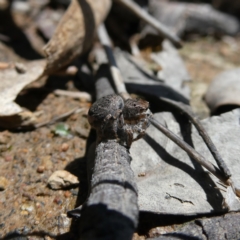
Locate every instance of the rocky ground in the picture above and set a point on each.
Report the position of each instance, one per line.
(28, 205)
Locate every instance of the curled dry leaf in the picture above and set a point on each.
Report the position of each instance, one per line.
(72, 37)
(223, 93)
(75, 32)
(12, 82)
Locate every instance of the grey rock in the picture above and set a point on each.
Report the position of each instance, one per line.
(175, 184)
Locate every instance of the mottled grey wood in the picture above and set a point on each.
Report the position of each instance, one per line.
(111, 211)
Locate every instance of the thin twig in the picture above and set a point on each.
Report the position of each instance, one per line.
(56, 119)
(185, 109)
(116, 75)
(79, 95)
(191, 151)
(142, 14)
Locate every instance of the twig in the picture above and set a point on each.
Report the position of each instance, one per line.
(116, 75)
(56, 119)
(162, 29)
(185, 109)
(79, 95)
(191, 151)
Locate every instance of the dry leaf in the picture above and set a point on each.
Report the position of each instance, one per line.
(75, 32)
(12, 82)
(72, 37)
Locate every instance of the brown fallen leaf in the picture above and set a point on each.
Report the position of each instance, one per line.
(12, 82)
(75, 32)
(72, 37)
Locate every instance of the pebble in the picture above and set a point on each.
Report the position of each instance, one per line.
(64, 147)
(41, 169)
(24, 213)
(27, 207)
(4, 137)
(20, 6)
(57, 200)
(64, 220)
(67, 194)
(3, 183)
(38, 205)
(61, 179)
(20, 67)
(143, 174)
(47, 162)
(8, 158)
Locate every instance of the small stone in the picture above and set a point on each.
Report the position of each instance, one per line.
(38, 205)
(71, 70)
(5, 137)
(27, 207)
(64, 147)
(64, 220)
(41, 169)
(24, 213)
(8, 158)
(57, 200)
(143, 174)
(3, 183)
(62, 179)
(36, 222)
(20, 6)
(67, 194)
(47, 162)
(20, 67)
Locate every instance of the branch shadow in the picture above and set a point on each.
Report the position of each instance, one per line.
(154, 92)
(214, 196)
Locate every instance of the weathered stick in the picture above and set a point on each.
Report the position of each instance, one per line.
(163, 30)
(111, 210)
(79, 95)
